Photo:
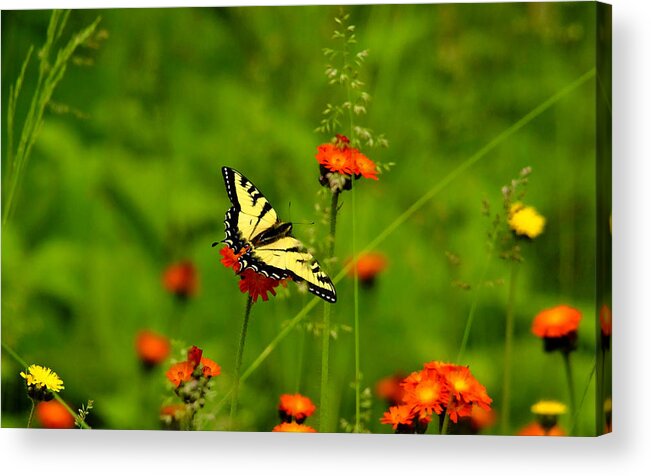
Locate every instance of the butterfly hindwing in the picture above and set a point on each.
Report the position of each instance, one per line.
(252, 220)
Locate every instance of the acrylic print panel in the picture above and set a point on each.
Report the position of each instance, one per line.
(418, 253)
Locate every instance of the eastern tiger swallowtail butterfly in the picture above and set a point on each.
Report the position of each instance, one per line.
(265, 243)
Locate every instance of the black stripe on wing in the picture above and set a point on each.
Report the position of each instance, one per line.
(229, 179)
(233, 236)
(259, 266)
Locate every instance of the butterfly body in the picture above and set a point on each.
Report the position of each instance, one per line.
(264, 243)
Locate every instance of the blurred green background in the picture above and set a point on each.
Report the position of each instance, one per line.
(130, 182)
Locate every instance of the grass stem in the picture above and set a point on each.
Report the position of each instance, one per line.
(508, 349)
(238, 360)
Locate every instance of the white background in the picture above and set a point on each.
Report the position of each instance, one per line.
(626, 451)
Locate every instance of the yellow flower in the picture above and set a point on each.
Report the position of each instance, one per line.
(526, 221)
(549, 408)
(42, 377)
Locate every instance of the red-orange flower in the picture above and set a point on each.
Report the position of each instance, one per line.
(466, 392)
(558, 321)
(258, 285)
(398, 415)
(368, 266)
(295, 406)
(535, 429)
(152, 348)
(210, 368)
(230, 259)
(335, 159)
(428, 395)
(363, 165)
(389, 388)
(180, 372)
(294, 427)
(53, 414)
(181, 279)
(345, 160)
(606, 320)
(481, 418)
(173, 411)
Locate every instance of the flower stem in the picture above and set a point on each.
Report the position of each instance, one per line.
(508, 348)
(473, 305)
(325, 347)
(238, 359)
(570, 387)
(446, 422)
(31, 414)
(358, 375)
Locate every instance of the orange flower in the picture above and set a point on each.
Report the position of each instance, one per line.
(294, 427)
(172, 411)
(481, 418)
(466, 392)
(428, 395)
(335, 159)
(558, 321)
(368, 266)
(389, 388)
(345, 160)
(398, 415)
(606, 321)
(230, 258)
(181, 279)
(258, 285)
(363, 165)
(210, 368)
(152, 348)
(180, 372)
(54, 415)
(295, 406)
(535, 429)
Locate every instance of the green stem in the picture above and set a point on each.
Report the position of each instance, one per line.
(575, 417)
(475, 301)
(450, 177)
(570, 387)
(601, 368)
(325, 346)
(358, 375)
(31, 414)
(446, 422)
(508, 348)
(238, 360)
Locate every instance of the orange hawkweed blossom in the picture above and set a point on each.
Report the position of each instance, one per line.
(389, 389)
(195, 367)
(399, 417)
(368, 266)
(536, 429)
(558, 327)
(152, 348)
(294, 427)
(606, 320)
(179, 373)
(339, 163)
(181, 279)
(255, 284)
(438, 388)
(295, 407)
(54, 415)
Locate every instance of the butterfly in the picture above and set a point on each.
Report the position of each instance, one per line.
(264, 243)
